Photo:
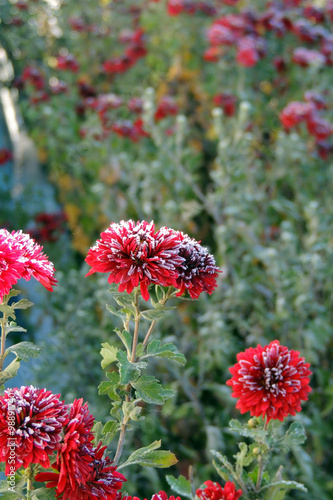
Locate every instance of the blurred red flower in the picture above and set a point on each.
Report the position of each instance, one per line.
(214, 491)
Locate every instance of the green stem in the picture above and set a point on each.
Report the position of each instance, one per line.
(124, 423)
(136, 329)
(30, 475)
(153, 323)
(3, 340)
(260, 461)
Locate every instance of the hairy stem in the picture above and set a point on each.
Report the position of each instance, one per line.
(3, 340)
(124, 423)
(153, 323)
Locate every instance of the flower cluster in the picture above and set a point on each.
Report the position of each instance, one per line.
(38, 425)
(83, 472)
(214, 491)
(270, 381)
(33, 419)
(22, 257)
(134, 254)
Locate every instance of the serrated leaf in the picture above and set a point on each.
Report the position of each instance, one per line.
(109, 354)
(244, 430)
(110, 388)
(223, 459)
(116, 411)
(97, 431)
(148, 457)
(13, 293)
(109, 431)
(150, 390)
(294, 436)
(24, 350)
(22, 304)
(285, 485)
(10, 371)
(43, 494)
(169, 351)
(243, 459)
(126, 339)
(129, 372)
(180, 485)
(8, 310)
(13, 327)
(156, 314)
(131, 411)
(114, 311)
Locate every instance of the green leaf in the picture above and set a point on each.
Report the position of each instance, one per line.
(156, 314)
(180, 485)
(148, 457)
(243, 458)
(284, 485)
(129, 372)
(244, 430)
(126, 339)
(97, 431)
(150, 390)
(10, 371)
(24, 350)
(43, 494)
(114, 311)
(293, 437)
(227, 467)
(131, 411)
(8, 310)
(22, 304)
(14, 328)
(168, 351)
(13, 293)
(109, 354)
(109, 431)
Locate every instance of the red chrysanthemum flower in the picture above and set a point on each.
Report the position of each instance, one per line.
(161, 495)
(270, 381)
(11, 268)
(30, 261)
(101, 479)
(135, 254)
(73, 458)
(198, 272)
(31, 422)
(296, 112)
(214, 491)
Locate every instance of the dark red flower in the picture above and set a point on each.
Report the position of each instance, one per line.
(247, 53)
(5, 155)
(227, 103)
(316, 98)
(67, 62)
(270, 381)
(175, 7)
(198, 271)
(305, 57)
(166, 107)
(296, 112)
(161, 495)
(319, 127)
(31, 420)
(34, 76)
(135, 254)
(214, 491)
(135, 104)
(101, 479)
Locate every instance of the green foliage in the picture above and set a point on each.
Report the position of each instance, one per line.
(180, 485)
(149, 457)
(168, 351)
(150, 390)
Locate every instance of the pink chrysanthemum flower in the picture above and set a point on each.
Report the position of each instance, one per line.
(214, 491)
(270, 381)
(133, 254)
(31, 420)
(198, 272)
(101, 480)
(22, 257)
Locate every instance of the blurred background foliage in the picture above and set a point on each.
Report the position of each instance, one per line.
(174, 111)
